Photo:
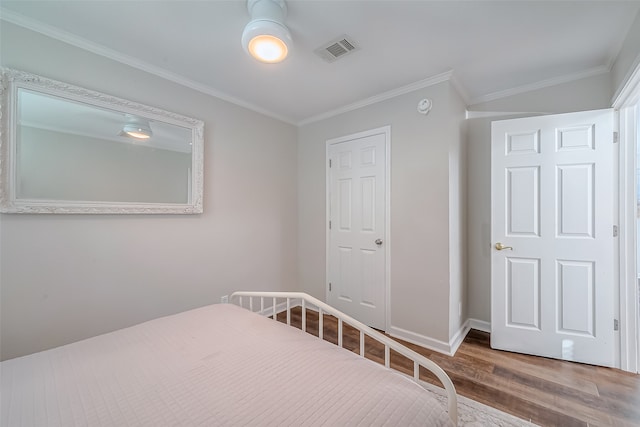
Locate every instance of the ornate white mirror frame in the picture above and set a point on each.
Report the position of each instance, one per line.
(174, 136)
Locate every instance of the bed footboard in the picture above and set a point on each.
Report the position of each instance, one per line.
(292, 299)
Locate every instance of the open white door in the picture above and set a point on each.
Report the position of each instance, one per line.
(553, 279)
(357, 236)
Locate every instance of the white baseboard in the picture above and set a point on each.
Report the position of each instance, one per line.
(421, 340)
(448, 348)
(480, 325)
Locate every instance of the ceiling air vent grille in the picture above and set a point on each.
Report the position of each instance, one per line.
(336, 48)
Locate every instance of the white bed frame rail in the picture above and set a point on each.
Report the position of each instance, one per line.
(304, 300)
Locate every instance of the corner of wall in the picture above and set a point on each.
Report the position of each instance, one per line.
(450, 347)
(479, 325)
(627, 60)
(457, 212)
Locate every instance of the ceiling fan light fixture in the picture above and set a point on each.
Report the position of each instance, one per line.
(136, 127)
(265, 37)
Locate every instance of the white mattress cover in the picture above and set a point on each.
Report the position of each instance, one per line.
(216, 365)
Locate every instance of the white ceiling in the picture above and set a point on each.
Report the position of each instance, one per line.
(491, 46)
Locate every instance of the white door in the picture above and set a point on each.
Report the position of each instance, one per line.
(553, 285)
(357, 214)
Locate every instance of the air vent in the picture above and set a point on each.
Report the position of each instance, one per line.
(337, 48)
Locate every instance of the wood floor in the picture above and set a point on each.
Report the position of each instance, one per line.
(544, 391)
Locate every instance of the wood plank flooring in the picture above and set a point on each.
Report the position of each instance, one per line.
(545, 391)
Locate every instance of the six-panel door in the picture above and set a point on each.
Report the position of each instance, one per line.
(356, 238)
(552, 204)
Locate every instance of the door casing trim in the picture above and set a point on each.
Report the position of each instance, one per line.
(627, 103)
(628, 276)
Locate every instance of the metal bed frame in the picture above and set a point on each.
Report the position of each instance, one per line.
(294, 299)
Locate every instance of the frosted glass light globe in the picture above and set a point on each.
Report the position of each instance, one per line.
(267, 48)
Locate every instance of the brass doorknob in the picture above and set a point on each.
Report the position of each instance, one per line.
(500, 247)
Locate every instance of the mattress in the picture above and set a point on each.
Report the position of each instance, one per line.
(219, 365)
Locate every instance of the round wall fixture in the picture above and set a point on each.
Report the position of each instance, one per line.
(424, 106)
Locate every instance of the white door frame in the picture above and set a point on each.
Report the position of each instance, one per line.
(627, 102)
(386, 130)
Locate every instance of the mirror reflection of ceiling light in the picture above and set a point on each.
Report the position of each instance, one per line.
(136, 127)
(265, 37)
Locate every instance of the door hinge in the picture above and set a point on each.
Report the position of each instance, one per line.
(616, 137)
(615, 231)
(329, 286)
(616, 325)
(329, 224)
(329, 162)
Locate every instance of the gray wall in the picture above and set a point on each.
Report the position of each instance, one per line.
(420, 205)
(67, 277)
(581, 95)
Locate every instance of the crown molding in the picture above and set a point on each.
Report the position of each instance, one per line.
(596, 71)
(497, 114)
(98, 49)
(421, 84)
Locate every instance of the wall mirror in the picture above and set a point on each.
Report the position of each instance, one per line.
(65, 149)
